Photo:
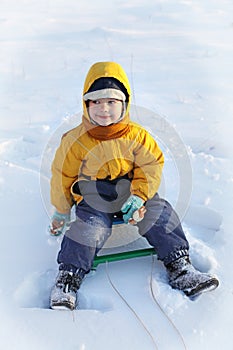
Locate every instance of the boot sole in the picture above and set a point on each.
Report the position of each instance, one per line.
(64, 305)
(202, 288)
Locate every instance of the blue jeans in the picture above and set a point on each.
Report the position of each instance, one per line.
(102, 199)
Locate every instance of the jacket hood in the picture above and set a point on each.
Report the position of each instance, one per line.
(103, 70)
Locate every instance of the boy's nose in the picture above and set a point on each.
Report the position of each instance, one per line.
(104, 106)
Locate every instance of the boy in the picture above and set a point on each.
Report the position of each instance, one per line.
(106, 165)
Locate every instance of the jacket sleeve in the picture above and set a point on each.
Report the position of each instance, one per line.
(65, 170)
(148, 166)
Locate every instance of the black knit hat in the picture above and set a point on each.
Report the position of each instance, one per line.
(107, 87)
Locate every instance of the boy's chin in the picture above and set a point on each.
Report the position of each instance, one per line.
(104, 123)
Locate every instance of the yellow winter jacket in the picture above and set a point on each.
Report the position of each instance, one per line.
(90, 152)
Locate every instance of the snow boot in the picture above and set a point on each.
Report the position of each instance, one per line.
(64, 293)
(183, 276)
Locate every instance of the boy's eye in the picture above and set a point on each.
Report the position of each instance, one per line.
(109, 102)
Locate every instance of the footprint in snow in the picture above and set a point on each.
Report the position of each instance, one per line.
(203, 216)
(34, 290)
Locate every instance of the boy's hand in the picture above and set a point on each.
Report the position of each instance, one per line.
(138, 215)
(58, 222)
(132, 204)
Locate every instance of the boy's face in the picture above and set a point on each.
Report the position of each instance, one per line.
(105, 111)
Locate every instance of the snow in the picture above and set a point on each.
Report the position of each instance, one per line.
(178, 55)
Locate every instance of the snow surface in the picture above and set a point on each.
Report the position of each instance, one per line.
(178, 55)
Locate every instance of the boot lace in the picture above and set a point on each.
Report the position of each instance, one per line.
(69, 282)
